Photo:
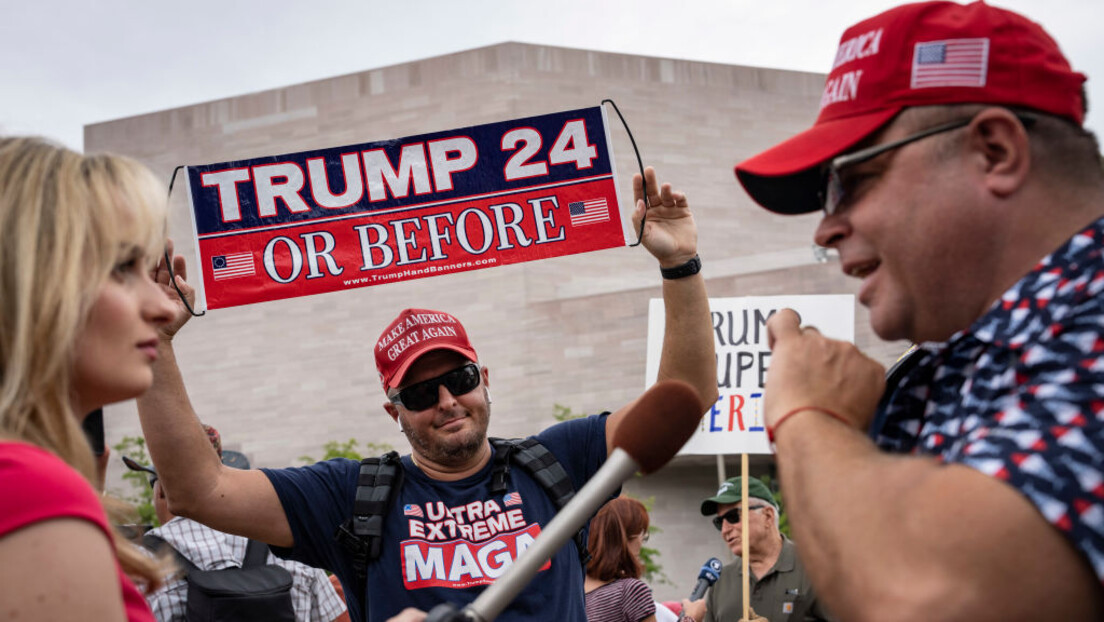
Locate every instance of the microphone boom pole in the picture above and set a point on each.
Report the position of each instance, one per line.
(489, 604)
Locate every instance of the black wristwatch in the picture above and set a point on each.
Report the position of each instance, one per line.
(689, 268)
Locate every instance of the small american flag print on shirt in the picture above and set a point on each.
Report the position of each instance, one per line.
(588, 212)
(954, 62)
(411, 509)
(232, 266)
(513, 498)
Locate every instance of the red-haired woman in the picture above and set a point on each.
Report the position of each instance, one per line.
(614, 591)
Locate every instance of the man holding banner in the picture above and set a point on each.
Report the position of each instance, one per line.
(957, 182)
(447, 535)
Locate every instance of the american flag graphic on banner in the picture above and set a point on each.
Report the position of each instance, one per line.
(513, 498)
(954, 62)
(232, 266)
(412, 509)
(588, 212)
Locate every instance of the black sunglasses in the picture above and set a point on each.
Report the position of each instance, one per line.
(134, 466)
(422, 395)
(732, 516)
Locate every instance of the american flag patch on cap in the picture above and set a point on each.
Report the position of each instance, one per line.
(954, 62)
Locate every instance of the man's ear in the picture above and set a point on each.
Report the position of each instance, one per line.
(1002, 148)
(486, 383)
(391, 410)
(773, 510)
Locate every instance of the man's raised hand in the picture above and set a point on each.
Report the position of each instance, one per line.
(669, 230)
(162, 276)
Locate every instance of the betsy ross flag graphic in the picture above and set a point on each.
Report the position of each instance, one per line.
(232, 266)
(411, 509)
(514, 498)
(588, 212)
(954, 62)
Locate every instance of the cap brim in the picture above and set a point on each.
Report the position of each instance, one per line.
(709, 506)
(786, 178)
(396, 378)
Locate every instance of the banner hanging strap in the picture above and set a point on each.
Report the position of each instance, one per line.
(168, 260)
(640, 165)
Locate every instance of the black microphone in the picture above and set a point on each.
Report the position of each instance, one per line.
(652, 432)
(707, 576)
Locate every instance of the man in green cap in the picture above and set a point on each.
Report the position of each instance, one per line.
(780, 590)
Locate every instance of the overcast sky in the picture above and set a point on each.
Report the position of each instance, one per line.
(67, 64)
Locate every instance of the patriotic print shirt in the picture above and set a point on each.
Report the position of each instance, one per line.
(1019, 395)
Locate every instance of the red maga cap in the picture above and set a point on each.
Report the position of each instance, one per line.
(915, 55)
(412, 334)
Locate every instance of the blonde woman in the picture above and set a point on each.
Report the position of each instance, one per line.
(78, 329)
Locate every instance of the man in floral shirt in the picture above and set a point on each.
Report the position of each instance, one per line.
(957, 182)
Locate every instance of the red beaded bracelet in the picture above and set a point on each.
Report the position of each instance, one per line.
(777, 424)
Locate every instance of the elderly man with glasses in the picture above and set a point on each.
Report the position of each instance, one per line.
(780, 589)
(957, 182)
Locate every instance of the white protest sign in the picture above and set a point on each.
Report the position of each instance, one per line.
(734, 424)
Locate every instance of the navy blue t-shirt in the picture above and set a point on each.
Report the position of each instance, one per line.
(445, 541)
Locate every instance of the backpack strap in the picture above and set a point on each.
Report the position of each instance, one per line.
(500, 473)
(540, 464)
(157, 544)
(379, 480)
(535, 459)
(256, 554)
